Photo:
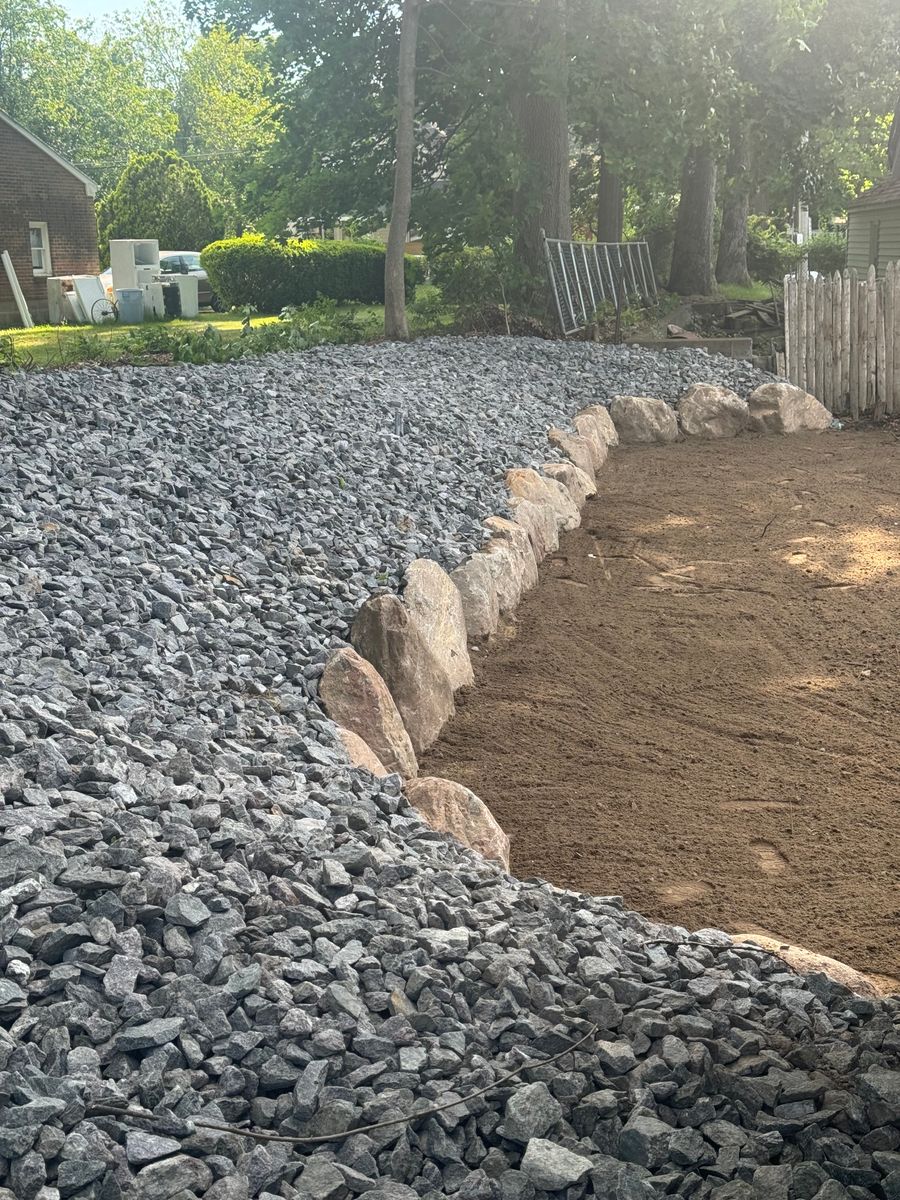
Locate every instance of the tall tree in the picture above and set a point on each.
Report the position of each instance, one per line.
(692, 271)
(610, 203)
(85, 95)
(731, 262)
(539, 100)
(395, 325)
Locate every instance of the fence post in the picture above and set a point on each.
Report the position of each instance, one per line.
(845, 338)
(812, 384)
(890, 352)
(822, 338)
(790, 333)
(881, 352)
(871, 337)
(801, 328)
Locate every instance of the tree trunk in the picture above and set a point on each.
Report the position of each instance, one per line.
(692, 255)
(395, 326)
(610, 215)
(539, 104)
(731, 264)
(894, 145)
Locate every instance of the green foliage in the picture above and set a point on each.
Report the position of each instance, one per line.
(477, 278)
(160, 196)
(220, 87)
(269, 274)
(11, 357)
(770, 253)
(87, 96)
(468, 276)
(827, 253)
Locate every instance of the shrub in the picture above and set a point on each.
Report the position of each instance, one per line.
(770, 253)
(468, 277)
(160, 196)
(271, 275)
(827, 252)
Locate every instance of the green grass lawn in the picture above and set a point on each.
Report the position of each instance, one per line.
(65, 345)
(756, 291)
(59, 345)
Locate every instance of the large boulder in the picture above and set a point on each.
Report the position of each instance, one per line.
(592, 430)
(386, 634)
(539, 522)
(356, 697)
(783, 408)
(508, 532)
(436, 606)
(452, 808)
(574, 480)
(527, 484)
(361, 753)
(603, 422)
(506, 573)
(576, 448)
(642, 419)
(708, 411)
(481, 608)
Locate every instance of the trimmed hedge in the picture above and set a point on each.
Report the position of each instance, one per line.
(271, 275)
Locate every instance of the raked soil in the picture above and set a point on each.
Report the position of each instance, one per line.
(700, 708)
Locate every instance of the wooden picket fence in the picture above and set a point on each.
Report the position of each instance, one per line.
(842, 340)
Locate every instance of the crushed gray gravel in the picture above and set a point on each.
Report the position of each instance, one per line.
(204, 914)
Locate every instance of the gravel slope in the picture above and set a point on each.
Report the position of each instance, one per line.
(205, 915)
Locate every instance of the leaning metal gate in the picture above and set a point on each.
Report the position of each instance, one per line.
(584, 275)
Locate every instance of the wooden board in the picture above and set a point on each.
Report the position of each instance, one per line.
(18, 294)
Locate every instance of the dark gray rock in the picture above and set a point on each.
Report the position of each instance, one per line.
(531, 1112)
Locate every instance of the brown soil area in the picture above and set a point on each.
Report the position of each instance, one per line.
(701, 708)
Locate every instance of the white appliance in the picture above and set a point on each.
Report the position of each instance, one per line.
(133, 261)
(154, 305)
(189, 291)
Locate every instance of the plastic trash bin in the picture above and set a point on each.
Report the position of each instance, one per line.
(131, 305)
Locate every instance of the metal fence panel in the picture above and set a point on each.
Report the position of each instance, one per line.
(584, 275)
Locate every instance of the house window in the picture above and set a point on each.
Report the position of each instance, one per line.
(40, 247)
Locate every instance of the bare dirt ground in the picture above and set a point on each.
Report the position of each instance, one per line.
(701, 708)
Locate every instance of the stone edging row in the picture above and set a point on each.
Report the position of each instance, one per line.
(392, 693)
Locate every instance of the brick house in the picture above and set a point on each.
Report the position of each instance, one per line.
(47, 220)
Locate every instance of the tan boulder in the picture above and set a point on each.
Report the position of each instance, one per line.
(574, 480)
(576, 448)
(588, 427)
(806, 962)
(539, 522)
(386, 634)
(481, 608)
(436, 606)
(453, 809)
(361, 753)
(643, 419)
(507, 573)
(527, 484)
(569, 514)
(603, 421)
(783, 408)
(501, 528)
(355, 696)
(709, 411)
